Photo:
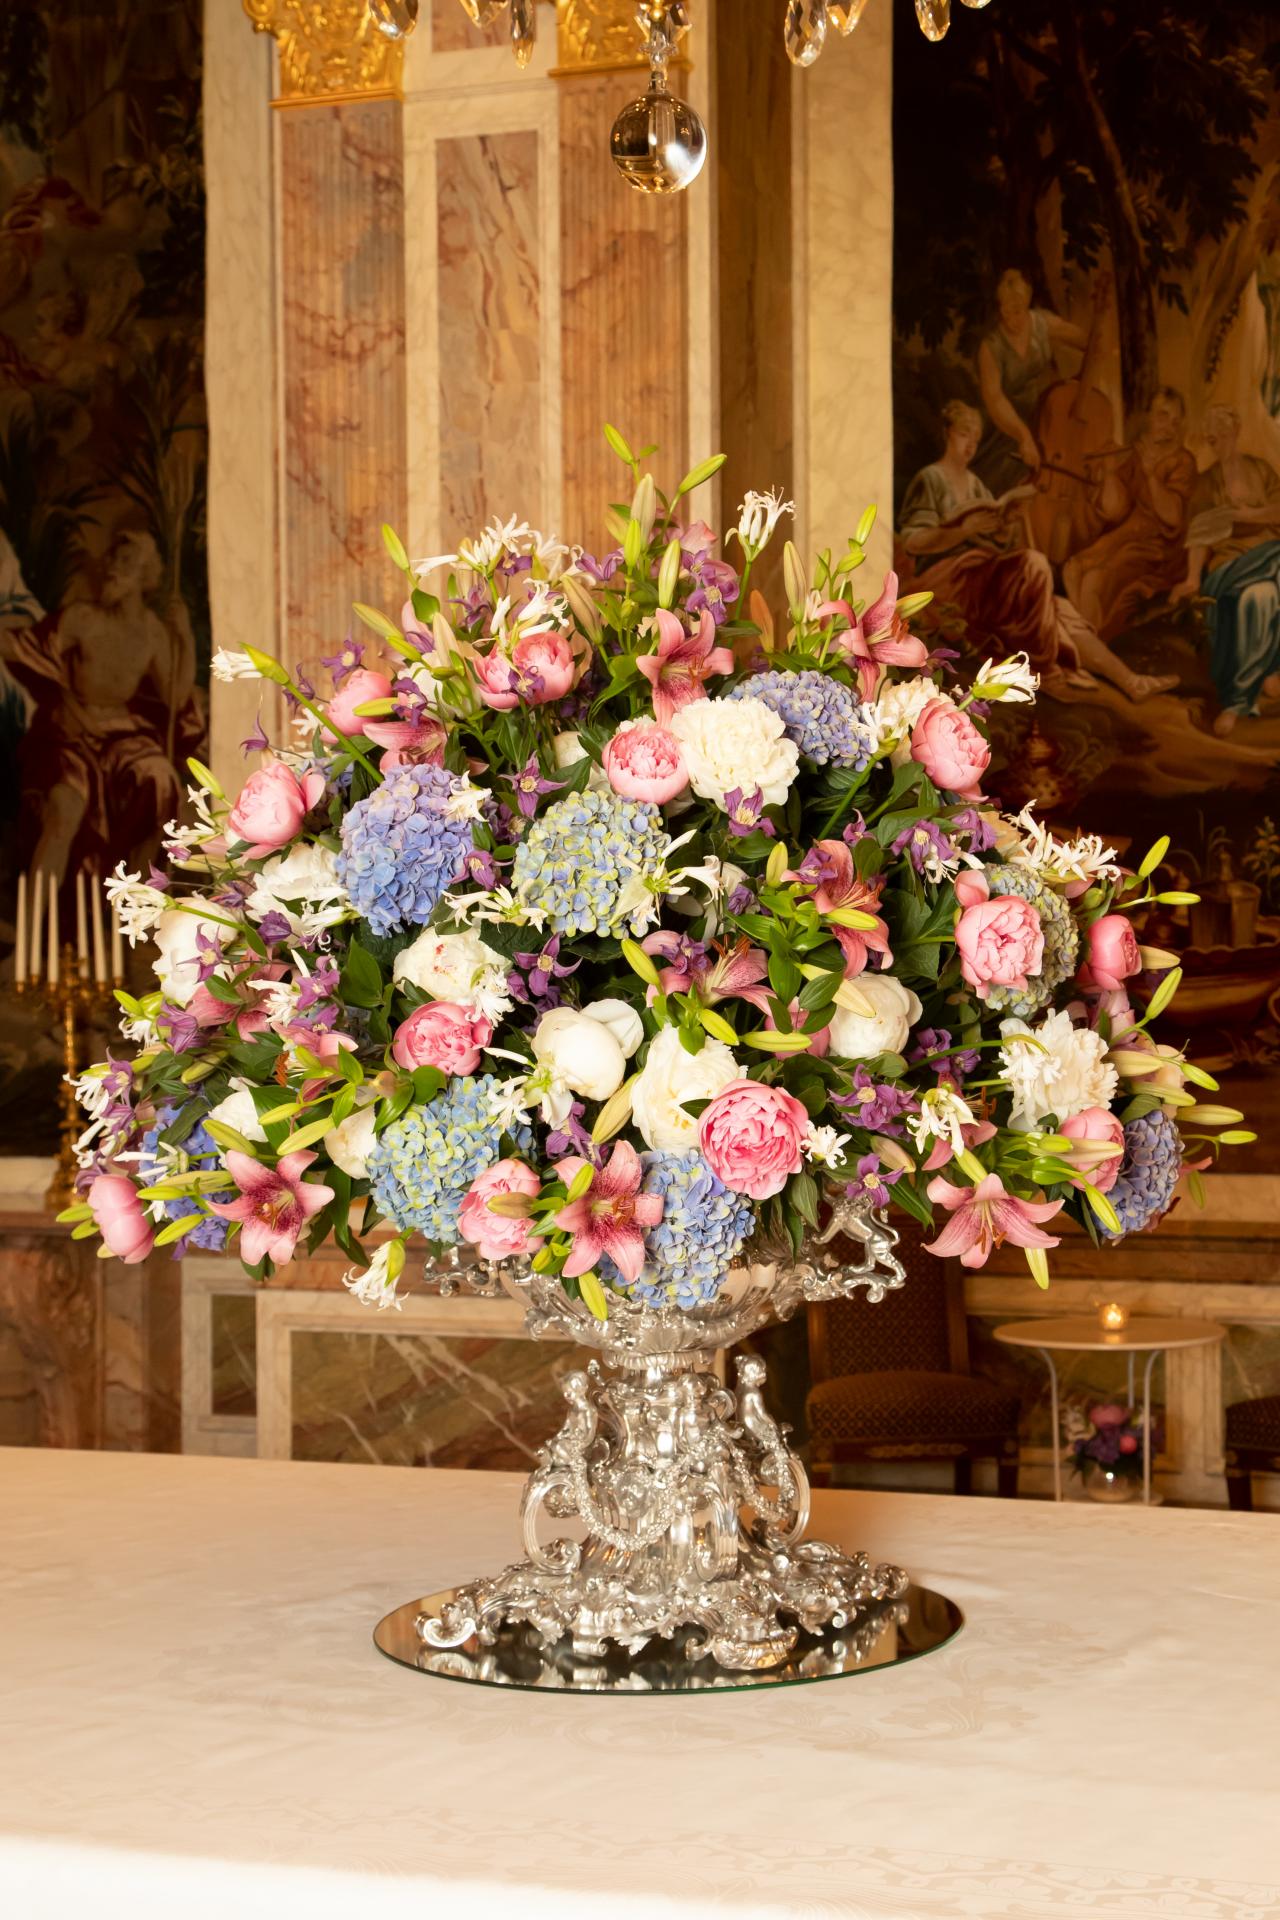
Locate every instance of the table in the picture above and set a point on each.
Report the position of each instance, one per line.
(1081, 1333)
(196, 1723)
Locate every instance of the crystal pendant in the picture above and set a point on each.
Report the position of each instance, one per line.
(482, 13)
(658, 143)
(804, 31)
(846, 14)
(975, 4)
(934, 17)
(524, 30)
(395, 18)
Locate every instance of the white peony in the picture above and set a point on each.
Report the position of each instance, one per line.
(456, 966)
(898, 706)
(238, 1111)
(581, 1053)
(622, 1020)
(735, 743)
(672, 1075)
(308, 876)
(349, 1144)
(176, 937)
(861, 1036)
(1065, 1073)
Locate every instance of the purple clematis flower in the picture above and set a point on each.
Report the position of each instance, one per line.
(879, 1108)
(981, 832)
(480, 869)
(534, 979)
(256, 741)
(925, 845)
(158, 879)
(937, 1040)
(572, 1137)
(345, 661)
(529, 786)
(601, 570)
(856, 830)
(744, 813)
(274, 928)
(873, 1181)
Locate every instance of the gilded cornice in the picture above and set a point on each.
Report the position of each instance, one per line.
(328, 50)
(594, 36)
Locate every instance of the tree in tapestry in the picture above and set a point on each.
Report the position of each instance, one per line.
(104, 626)
(1087, 435)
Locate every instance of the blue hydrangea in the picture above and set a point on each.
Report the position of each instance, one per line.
(1148, 1173)
(199, 1152)
(401, 849)
(1061, 943)
(826, 720)
(703, 1229)
(577, 860)
(422, 1164)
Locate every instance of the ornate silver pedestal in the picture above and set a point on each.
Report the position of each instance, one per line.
(685, 1504)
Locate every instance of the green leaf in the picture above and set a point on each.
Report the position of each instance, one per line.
(361, 981)
(804, 1197)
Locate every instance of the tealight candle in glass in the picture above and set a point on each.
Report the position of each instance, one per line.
(1113, 1317)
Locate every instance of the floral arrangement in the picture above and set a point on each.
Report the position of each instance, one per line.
(1110, 1437)
(598, 919)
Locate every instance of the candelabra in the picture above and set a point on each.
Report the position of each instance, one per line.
(73, 998)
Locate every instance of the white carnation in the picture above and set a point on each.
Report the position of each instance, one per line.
(861, 1036)
(729, 744)
(456, 966)
(670, 1076)
(1063, 1074)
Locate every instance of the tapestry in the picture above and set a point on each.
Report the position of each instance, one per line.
(1087, 443)
(104, 620)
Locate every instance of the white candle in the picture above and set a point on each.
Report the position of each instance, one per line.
(117, 947)
(99, 940)
(20, 943)
(51, 965)
(37, 925)
(82, 924)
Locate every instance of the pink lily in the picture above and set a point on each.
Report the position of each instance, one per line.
(611, 1216)
(841, 885)
(973, 1136)
(877, 637)
(984, 1217)
(409, 743)
(736, 972)
(681, 663)
(274, 1205)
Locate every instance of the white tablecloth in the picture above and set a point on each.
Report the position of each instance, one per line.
(194, 1724)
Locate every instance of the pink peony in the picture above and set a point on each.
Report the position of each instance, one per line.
(644, 762)
(357, 690)
(1001, 940)
(752, 1137)
(1113, 954)
(272, 806)
(949, 747)
(500, 1236)
(120, 1218)
(1095, 1124)
(545, 663)
(441, 1034)
(496, 681)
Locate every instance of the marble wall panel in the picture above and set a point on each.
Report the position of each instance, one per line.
(453, 31)
(425, 1399)
(233, 1363)
(489, 329)
(342, 358)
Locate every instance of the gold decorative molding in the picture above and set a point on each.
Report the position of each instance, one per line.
(597, 36)
(329, 51)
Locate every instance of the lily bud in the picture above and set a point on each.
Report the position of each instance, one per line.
(794, 579)
(644, 508)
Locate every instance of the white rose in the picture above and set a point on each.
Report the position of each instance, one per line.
(735, 743)
(348, 1144)
(456, 966)
(581, 1052)
(238, 1111)
(308, 874)
(1065, 1073)
(861, 1036)
(898, 706)
(622, 1020)
(672, 1075)
(177, 959)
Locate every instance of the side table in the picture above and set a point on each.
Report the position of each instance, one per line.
(1081, 1333)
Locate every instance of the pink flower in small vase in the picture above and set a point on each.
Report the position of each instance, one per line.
(120, 1218)
(272, 806)
(682, 662)
(611, 1216)
(275, 1204)
(501, 1236)
(984, 1217)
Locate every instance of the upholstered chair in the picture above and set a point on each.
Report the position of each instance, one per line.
(1253, 1446)
(892, 1381)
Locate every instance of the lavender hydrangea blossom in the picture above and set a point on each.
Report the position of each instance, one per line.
(824, 717)
(403, 847)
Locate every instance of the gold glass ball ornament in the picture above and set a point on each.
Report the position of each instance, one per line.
(658, 143)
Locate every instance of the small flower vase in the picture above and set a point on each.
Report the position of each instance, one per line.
(1108, 1487)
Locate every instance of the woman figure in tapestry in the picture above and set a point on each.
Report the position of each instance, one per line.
(1016, 368)
(972, 552)
(1233, 559)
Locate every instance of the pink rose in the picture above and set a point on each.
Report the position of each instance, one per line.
(441, 1034)
(356, 691)
(120, 1217)
(950, 749)
(1095, 1125)
(752, 1137)
(644, 762)
(272, 806)
(1001, 941)
(1128, 1443)
(499, 1236)
(1109, 1416)
(1113, 953)
(545, 662)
